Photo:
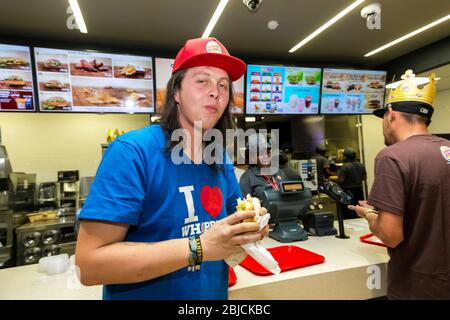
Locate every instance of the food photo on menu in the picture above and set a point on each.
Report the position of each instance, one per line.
(53, 82)
(16, 100)
(55, 101)
(133, 69)
(51, 62)
(100, 93)
(15, 80)
(89, 65)
(14, 59)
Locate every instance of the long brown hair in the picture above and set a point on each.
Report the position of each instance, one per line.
(170, 118)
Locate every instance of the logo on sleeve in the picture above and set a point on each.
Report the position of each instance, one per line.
(446, 153)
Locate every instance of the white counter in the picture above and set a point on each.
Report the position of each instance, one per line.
(343, 275)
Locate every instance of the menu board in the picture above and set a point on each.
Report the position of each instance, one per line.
(82, 81)
(352, 91)
(282, 90)
(16, 79)
(163, 72)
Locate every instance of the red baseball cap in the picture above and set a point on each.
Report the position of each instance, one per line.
(208, 52)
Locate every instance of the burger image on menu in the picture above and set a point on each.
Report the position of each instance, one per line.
(52, 64)
(55, 103)
(12, 62)
(14, 81)
(53, 85)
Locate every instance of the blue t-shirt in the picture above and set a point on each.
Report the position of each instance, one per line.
(138, 184)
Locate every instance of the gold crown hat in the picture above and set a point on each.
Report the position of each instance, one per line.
(411, 95)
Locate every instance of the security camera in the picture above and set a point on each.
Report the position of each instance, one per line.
(372, 14)
(371, 11)
(252, 5)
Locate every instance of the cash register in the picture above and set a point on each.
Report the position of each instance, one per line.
(287, 206)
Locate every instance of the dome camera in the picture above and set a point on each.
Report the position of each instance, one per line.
(252, 5)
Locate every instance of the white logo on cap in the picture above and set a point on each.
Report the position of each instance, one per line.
(424, 110)
(213, 46)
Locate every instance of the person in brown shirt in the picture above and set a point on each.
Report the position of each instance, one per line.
(409, 204)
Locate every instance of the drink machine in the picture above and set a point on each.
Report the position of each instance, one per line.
(69, 191)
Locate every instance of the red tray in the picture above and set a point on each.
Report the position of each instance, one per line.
(366, 239)
(231, 277)
(288, 258)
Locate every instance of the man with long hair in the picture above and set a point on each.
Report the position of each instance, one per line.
(155, 229)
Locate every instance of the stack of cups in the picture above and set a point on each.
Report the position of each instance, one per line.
(54, 264)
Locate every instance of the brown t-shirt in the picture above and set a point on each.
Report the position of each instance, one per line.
(412, 178)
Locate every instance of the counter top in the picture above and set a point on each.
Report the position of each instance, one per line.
(347, 273)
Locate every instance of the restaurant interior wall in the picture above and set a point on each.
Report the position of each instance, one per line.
(45, 143)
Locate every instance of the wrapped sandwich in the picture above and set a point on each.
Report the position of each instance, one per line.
(249, 204)
(255, 249)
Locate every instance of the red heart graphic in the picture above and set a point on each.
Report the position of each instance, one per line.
(211, 199)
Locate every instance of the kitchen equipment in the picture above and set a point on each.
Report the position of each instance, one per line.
(85, 187)
(6, 236)
(69, 191)
(48, 195)
(24, 190)
(45, 238)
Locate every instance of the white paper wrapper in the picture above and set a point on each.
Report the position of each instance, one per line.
(256, 251)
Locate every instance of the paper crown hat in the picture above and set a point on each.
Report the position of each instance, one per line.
(411, 95)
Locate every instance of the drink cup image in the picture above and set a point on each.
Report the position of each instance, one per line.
(308, 100)
(293, 101)
(330, 104)
(301, 104)
(336, 103)
(20, 103)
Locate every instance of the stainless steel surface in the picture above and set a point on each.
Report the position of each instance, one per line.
(5, 165)
(6, 236)
(44, 238)
(5, 200)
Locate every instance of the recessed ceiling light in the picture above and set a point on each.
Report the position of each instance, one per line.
(272, 24)
(326, 25)
(214, 18)
(409, 35)
(78, 16)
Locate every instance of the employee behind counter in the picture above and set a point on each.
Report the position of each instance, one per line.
(253, 182)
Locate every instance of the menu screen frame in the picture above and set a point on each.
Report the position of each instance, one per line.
(17, 80)
(352, 91)
(282, 90)
(121, 84)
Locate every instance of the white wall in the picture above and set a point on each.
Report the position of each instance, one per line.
(441, 118)
(373, 131)
(46, 143)
(373, 142)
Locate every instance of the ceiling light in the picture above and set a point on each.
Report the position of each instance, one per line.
(78, 16)
(272, 24)
(409, 35)
(250, 119)
(214, 18)
(326, 25)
